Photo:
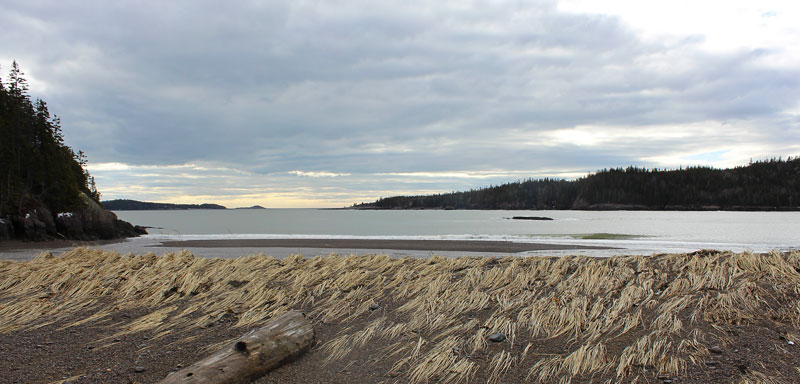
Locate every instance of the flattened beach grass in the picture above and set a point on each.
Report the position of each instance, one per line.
(565, 319)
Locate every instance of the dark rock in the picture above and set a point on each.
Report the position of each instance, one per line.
(93, 222)
(532, 218)
(374, 306)
(6, 230)
(139, 369)
(715, 349)
(742, 367)
(35, 224)
(87, 221)
(497, 337)
(711, 363)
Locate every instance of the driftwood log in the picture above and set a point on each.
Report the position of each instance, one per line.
(252, 355)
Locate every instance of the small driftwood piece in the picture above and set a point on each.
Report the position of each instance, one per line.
(252, 355)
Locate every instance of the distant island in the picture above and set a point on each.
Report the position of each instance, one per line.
(133, 205)
(771, 185)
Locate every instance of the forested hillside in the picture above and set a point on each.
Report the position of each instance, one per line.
(45, 192)
(763, 185)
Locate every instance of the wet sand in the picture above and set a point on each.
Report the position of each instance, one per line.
(282, 248)
(406, 245)
(18, 245)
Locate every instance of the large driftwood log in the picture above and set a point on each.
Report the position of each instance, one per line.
(252, 355)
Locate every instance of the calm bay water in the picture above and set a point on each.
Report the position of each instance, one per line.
(632, 232)
(628, 232)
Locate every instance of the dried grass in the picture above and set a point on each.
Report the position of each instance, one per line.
(435, 314)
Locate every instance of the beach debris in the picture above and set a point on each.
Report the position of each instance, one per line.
(712, 363)
(715, 349)
(497, 337)
(253, 355)
(374, 306)
(139, 369)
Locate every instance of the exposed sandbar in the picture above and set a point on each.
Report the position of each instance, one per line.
(407, 245)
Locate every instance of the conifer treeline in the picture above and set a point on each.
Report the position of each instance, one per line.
(36, 167)
(765, 185)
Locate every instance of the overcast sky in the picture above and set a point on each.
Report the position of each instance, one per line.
(326, 104)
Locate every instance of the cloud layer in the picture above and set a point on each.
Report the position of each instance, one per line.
(308, 103)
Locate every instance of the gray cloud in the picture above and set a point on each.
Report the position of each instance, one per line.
(366, 88)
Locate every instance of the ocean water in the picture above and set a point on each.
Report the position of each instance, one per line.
(627, 232)
(630, 232)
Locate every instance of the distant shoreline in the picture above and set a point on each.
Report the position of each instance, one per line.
(135, 205)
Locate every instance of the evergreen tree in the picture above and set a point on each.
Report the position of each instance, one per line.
(35, 164)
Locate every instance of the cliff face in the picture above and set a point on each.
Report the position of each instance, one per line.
(88, 222)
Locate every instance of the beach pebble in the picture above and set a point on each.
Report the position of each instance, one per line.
(139, 369)
(715, 349)
(497, 337)
(374, 306)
